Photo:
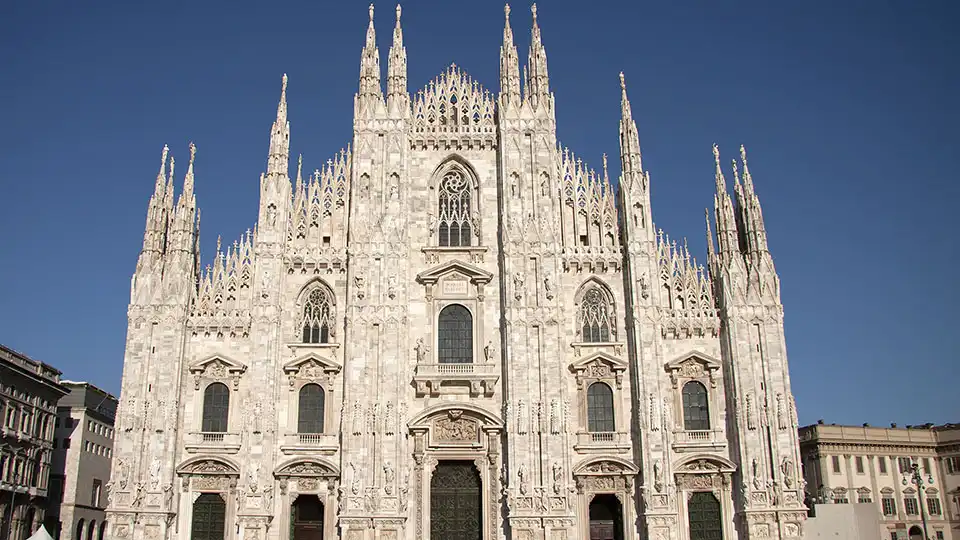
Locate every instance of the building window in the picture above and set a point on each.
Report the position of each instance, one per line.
(696, 412)
(893, 535)
(836, 464)
(910, 505)
(864, 497)
(95, 493)
(953, 464)
(882, 464)
(933, 506)
(889, 506)
(840, 497)
(310, 417)
(455, 228)
(859, 464)
(216, 407)
(596, 316)
(455, 335)
(926, 465)
(600, 408)
(904, 464)
(939, 535)
(318, 316)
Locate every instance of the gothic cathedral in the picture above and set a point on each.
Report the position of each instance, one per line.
(455, 330)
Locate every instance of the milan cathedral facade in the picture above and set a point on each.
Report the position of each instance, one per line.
(455, 329)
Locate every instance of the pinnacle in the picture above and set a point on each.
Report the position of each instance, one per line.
(193, 152)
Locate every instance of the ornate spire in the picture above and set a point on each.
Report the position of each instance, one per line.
(161, 176)
(509, 64)
(538, 81)
(370, 64)
(188, 180)
(751, 214)
(724, 213)
(629, 140)
(279, 156)
(397, 68)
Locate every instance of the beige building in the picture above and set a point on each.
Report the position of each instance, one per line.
(455, 329)
(29, 391)
(849, 464)
(83, 448)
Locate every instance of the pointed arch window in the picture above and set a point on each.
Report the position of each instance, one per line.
(455, 335)
(596, 316)
(317, 322)
(455, 227)
(696, 411)
(310, 418)
(216, 408)
(600, 408)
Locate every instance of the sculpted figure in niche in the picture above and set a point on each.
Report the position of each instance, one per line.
(557, 477)
(422, 350)
(786, 467)
(489, 352)
(388, 477)
(522, 476)
(360, 282)
(518, 285)
(155, 474)
(548, 287)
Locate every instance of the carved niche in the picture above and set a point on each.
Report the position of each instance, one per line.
(217, 368)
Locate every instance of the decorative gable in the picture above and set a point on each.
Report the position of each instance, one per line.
(218, 368)
(599, 366)
(311, 367)
(694, 365)
(453, 279)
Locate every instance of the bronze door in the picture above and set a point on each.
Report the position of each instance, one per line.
(307, 518)
(705, 517)
(209, 517)
(601, 529)
(455, 502)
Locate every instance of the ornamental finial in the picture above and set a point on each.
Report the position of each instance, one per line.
(398, 12)
(533, 9)
(623, 84)
(371, 13)
(193, 152)
(506, 10)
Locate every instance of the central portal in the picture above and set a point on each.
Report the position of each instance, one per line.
(455, 502)
(307, 523)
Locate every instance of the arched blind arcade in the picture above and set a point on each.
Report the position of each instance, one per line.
(454, 228)
(216, 408)
(455, 335)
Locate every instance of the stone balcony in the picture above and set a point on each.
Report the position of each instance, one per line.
(698, 440)
(310, 443)
(602, 441)
(207, 441)
(477, 379)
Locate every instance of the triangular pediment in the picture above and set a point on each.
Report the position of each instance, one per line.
(311, 361)
(708, 362)
(609, 360)
(217, 361)
(468, 271)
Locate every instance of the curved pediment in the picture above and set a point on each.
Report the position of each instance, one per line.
(209, 465)
(455, 410)
(307, 467)
(468, 271)
(218, 363)
(604, 466)
(705, 463)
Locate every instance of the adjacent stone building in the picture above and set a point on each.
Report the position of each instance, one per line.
(454, 328)
(29, 391)
(864, 464)
(83, 448)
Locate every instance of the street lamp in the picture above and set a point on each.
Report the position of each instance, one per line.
(917, 480)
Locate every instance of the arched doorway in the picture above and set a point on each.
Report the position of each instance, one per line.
(209, 517)
(916, 533)
(704, 516)
(606, 518)
(455, 502)
(306, 522)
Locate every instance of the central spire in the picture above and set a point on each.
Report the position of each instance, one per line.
(629, 139)
(397, 97)
(538, 81)
(370, 64)
(279, 155)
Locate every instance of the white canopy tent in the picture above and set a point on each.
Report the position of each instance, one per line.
(41, 534)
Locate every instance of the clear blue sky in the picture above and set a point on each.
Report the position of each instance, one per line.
(848, 110)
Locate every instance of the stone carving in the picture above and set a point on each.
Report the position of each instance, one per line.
(555, 417)
(755, 468)
(403, 491)
(422, 350)
(598, 370)
(557, 477)
(667, 414)
(138, 496)
(691, 369)
(751, 421)
(781, 416)
(155, 474)
(548, 288)
(518, 285)
(168, 496)
(357, 418)
(253, 476)
(490, 352)
(360, 282)
(654, 413)
(644, 286)
(658, 475)
(392, 287)
(522, 476)
(455, 429)
(388, 477)
(523, 419)
(122, 474)
(388, 419)
(354, 479)
(786, 467)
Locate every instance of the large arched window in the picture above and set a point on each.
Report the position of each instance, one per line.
(455, 336)
(600, 408)
(696, 411)
(216, 407)
(310, 418)
(318, 316)
(596, 316)
(454, 226)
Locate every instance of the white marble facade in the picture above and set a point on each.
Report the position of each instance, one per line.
(580, 328)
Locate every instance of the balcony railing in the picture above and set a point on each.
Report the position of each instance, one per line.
(207, 441)
(457, 369)
(602, 441)
(322, 443)
(699, 439)
(480, 378)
